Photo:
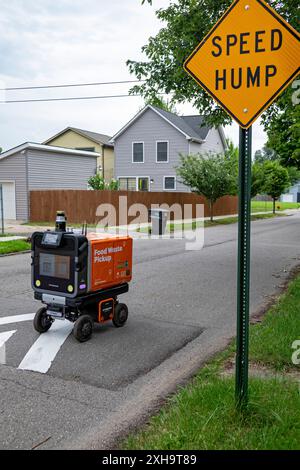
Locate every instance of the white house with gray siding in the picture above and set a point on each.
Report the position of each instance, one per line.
(35, 166)
(147, 148)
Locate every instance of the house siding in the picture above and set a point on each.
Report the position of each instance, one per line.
(213, 142)
(293, 191)
(109, 163)
(13, 168)
(47, 170)
(195, 148)
(150, 128)
(36, 169)
(73, 140)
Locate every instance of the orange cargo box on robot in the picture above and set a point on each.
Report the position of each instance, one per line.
(110, 260)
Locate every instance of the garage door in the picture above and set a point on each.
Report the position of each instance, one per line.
(9, 200)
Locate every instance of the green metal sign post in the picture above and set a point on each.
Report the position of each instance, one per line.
(242, 352)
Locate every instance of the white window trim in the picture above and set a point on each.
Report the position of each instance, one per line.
(175, 183)
(137, 181)
(168, 152)
(132, 160)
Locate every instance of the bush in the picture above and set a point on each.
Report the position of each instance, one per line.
(97, 183)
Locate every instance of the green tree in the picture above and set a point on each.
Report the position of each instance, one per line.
(208, 175)
(276, 180)
(294, 174)
(232, 152)
(257, 179)
(232, 158)
(265, 154)
(282, 124)
(161, 103)
(186, 22)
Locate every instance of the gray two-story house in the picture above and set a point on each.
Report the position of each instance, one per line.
(148, 147)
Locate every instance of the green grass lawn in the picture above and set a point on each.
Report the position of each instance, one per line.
(266, 206)
(207, 223)
(203, 417)
(14, 246)
(203, 414)
(39, 224)
(225, 221)
(52, 225)
(271, 341)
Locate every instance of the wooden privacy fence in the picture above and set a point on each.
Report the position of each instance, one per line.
(83, 206)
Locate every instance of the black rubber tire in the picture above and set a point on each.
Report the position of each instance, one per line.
(42, 322)
(120, 315)
(83, 328)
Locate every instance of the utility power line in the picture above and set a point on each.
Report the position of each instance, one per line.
(68, 99)
(43, 87)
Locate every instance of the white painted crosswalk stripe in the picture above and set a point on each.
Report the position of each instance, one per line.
(16, 318)
(43, 352)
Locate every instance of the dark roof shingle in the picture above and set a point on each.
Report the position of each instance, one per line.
(100, 138)
(190, 125)
(196, 123)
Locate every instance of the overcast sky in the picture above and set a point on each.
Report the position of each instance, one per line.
(73, 41)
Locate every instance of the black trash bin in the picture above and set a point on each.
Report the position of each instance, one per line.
(158, 219)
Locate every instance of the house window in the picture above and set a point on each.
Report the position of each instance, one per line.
(127, 184)
(169, 183)
(138, 152)
(86, 149)
(162, 152)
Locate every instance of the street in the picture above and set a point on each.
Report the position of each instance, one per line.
(182, 309)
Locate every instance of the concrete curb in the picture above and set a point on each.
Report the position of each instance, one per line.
(16, 253)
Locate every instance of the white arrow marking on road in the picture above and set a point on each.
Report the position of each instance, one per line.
(3, 338)
(43, 352)
(16, 318)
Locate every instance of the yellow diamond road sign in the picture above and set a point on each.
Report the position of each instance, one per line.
(248, 58)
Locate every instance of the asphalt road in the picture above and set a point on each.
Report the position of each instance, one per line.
(182, 309)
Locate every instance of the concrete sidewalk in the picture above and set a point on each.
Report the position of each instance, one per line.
(19, 228)
(10, 239)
